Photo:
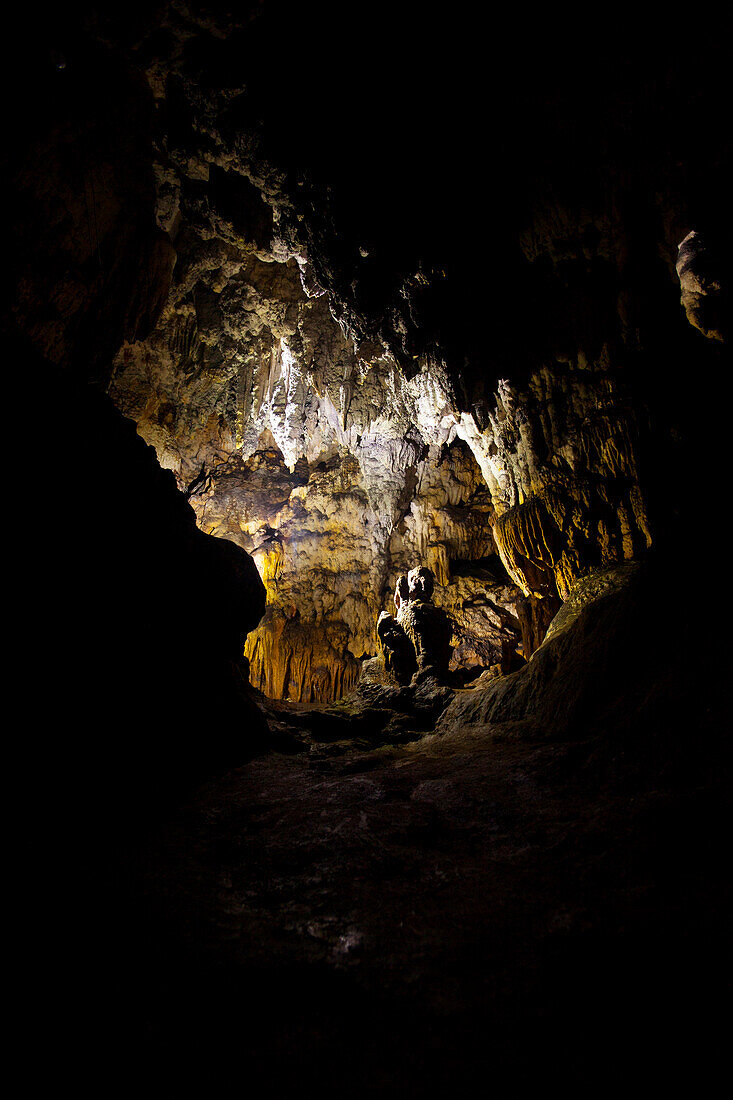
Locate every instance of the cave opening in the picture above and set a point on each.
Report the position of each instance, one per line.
(377, 737)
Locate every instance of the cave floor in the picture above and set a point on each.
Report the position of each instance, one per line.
(414, 918)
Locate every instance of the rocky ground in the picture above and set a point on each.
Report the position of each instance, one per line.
(464, 910)
(492, 904)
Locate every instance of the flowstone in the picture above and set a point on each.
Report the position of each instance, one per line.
(417, 641)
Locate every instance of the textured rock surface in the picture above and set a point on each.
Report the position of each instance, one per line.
(330, 565)
(398, 659)
(704, 274)
(417, 640)
(554, 687)
(427, 626)
(289, 326)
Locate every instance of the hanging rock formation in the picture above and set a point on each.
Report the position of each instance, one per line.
(278, 329)
(290, 333)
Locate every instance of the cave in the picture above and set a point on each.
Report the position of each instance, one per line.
(370, 373)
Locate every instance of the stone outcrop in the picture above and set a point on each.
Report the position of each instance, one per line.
(130, 654)
(427, 626)
(705, 290)
(398, 650)
(329, 546)
(310, 452)
(597, 640)
(417, 641)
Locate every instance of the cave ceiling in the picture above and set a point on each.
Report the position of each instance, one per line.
(404, 293)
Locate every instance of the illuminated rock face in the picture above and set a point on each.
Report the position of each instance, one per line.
(336, 471)
(398, 652)
(351, 372)
(316, 455)
(705, 291)
(417, 640)
(344, 405)
(329, 565)
(585, 512)
(427, 626)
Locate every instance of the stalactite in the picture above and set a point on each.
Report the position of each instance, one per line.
(529, 545)
(302, 662)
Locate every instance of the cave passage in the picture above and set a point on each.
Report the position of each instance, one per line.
(367, 405)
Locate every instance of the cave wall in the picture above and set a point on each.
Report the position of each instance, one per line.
(90, 268)
(329, 570)
(308, 304)
(299, 336)
(125, 604)
(314, 453)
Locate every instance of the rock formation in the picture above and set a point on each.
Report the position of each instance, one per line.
(398, 650)
(283, 336)
(418, 640)
(427, 626)
(339, 410)
(705, 285)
